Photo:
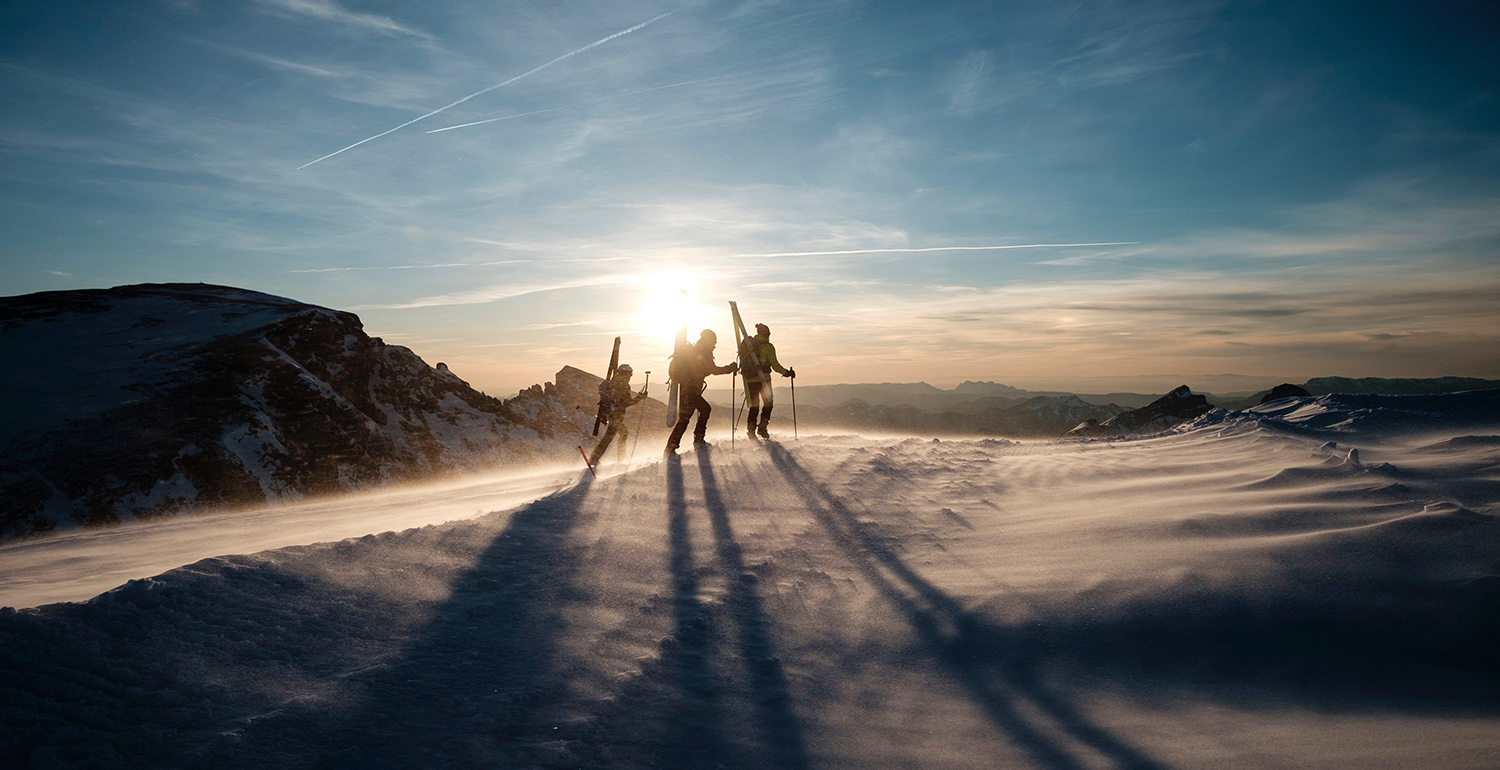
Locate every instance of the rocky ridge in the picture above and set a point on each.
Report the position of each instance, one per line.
(144, 401)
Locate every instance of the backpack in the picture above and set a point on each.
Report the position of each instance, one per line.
(684, 364)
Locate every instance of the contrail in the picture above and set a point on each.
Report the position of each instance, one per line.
(568, 106)
(937, 248)
(483, 91)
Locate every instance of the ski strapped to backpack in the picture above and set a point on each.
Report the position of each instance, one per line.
(680, 350)
(745, 344)
(614, 360)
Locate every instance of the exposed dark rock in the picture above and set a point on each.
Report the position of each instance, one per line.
(1285, 390)
(1175, 408)
(142, 401)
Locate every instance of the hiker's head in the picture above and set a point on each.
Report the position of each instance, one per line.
(763, 330)
(623, 371)
(708, 338)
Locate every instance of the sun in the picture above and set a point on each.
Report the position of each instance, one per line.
(663, 307)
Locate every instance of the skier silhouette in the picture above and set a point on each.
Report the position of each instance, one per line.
(617, 397)
(690, 368)
(757, 381)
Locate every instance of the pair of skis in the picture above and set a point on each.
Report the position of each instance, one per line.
(609, 374)
(745, 347)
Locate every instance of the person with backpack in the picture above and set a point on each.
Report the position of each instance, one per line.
(757, 381)
(690, 368)
(616, 396)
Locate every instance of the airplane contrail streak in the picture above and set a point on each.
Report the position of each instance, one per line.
(937, 248)
(482, 91)
(567, 106)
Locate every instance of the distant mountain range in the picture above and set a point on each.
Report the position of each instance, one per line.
(992, 409)
(149, 400)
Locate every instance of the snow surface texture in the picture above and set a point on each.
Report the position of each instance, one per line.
(1311, 584)
(144, 401)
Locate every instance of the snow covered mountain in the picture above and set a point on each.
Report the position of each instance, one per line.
(142, 401)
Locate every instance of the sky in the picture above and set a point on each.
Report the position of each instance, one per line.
(1043, 194)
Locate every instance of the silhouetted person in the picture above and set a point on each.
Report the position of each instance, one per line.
(617, 397)
(756, 382)
(696, 364)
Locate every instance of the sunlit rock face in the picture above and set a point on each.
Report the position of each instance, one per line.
(141, 401)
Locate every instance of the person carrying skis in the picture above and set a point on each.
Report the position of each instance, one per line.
(757, 381)
(690, 368)
(616, 397)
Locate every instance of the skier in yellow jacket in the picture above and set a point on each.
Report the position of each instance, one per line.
(617, 398)
(758, 381)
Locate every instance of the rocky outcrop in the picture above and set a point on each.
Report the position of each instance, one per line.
(143, 401)
(1175, 408)
(1284, 390)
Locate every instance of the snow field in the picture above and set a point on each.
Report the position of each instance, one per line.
(1239, 593)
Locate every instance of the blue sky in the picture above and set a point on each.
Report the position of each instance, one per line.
(1281, 189)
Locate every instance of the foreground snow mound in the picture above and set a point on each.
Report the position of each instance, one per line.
(1215, 597)
(141, 401)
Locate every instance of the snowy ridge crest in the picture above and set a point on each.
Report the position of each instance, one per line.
(1345, 412)
(143, 401)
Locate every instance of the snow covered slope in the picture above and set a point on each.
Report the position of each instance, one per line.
(1313, 584)
(141, 401)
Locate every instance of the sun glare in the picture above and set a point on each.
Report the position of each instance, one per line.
(663, 308)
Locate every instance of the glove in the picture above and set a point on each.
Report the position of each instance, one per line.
(791, 373)
(734, 368)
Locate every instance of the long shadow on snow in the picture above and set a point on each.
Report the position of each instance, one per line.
(474, 681)
(686, 709)
(696, 738)
(780, 730)
(1339, 638)
(971, 652)
(677, 715)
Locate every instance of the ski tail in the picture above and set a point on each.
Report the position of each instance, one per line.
(614, 361)
(679, 347)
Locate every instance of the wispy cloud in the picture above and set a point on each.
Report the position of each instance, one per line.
(327, 10)
(932, 249)
(502, 292)
(968, 81)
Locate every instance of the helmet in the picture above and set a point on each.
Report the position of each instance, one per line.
(763, 329)
(623, 369)
(709, 337)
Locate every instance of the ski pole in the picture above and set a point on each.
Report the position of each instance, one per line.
(794, 404)
(640, 422)
(734, 416)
